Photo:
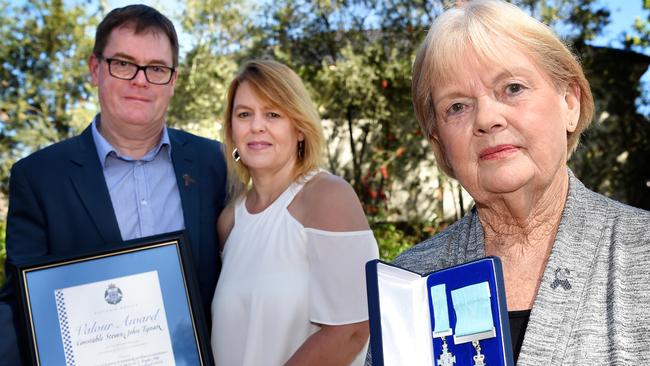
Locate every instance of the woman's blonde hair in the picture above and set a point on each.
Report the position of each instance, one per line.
(484, 26)
(282, 88)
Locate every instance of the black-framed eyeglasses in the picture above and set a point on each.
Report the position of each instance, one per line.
(125, 70)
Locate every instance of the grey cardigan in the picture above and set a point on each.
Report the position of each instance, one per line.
(593, 304)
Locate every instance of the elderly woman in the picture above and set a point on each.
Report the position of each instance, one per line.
(294, 242)
(503, 103)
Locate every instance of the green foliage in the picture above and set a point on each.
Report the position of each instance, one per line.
(199, 97)
(219, 31)
(638, 37)
(392, 241)
(580, 20)
(394, 238)
(359, 75)
(45, 89)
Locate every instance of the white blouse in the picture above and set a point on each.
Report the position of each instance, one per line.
(279, 280)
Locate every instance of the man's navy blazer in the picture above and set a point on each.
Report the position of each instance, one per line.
(59, 205)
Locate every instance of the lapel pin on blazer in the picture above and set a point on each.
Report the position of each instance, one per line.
(187, 179)
(561, 279)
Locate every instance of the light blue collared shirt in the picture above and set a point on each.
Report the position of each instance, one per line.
(144, 192)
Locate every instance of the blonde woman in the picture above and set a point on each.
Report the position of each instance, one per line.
(294, 239)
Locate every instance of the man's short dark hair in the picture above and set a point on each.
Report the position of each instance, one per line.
(142, 18)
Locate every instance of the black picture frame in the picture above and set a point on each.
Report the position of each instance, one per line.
(138, 300)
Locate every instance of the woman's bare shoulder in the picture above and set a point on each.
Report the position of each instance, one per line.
(329, 203)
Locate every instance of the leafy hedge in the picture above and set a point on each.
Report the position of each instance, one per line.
(395, 237)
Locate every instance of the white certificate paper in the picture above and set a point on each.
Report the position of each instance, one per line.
(117, 322)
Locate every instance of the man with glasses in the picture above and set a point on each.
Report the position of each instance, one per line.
(127, 175)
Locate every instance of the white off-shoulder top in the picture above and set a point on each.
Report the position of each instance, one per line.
(279, 280)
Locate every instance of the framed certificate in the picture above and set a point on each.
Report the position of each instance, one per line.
(136, 304)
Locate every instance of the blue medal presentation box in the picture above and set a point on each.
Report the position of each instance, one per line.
(455, 316)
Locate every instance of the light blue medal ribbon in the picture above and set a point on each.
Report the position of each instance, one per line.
(440, 311)
(473, 316)
(441, 323)
(473, 310)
